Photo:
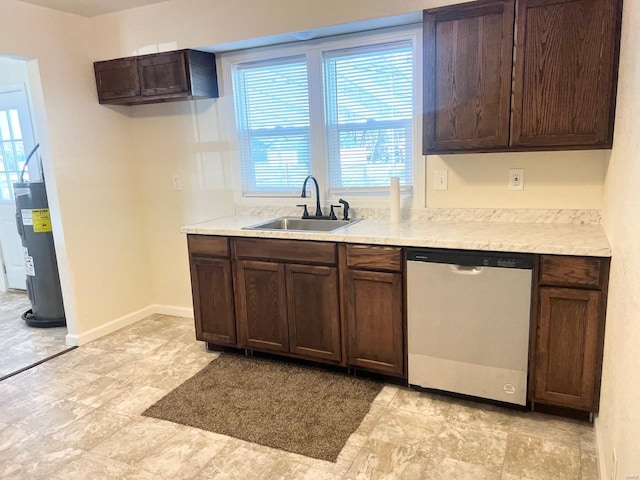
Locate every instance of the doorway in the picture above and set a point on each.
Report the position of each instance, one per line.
(17, 139)
(21, 346)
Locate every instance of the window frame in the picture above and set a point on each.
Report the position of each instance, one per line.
(314, 50)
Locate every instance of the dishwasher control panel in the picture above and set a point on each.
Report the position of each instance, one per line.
(471, 258)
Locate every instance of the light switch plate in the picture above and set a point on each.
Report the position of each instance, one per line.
(177, 182)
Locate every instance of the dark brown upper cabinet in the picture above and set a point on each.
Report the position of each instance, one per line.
(467, 76)
(562, 90)
(160, 77)
(566, 70)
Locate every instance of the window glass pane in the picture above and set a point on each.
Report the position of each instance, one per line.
(5, 193)
(19, 151)
(369, 157)
(272, 105)
(4, 126)
(369, 102)
(12, 155)
(8, 155)
(15, 124)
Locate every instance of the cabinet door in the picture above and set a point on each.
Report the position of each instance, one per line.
(213, 300)
(314, 318)
(374, 321)
(566, 370)
(566, 58)
(467, 76)
(262, 305)
(162, 74)
(117, 79)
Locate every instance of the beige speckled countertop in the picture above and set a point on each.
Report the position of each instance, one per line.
(551, 238)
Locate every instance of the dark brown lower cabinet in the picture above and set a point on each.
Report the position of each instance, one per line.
(287, 298)
(344, 305)
(567, 347)
(313, 312)
(568, 331)
(212, 285)
(261, 305)
(374, 303)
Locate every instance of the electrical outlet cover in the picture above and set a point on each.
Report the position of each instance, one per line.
(441, 179)
(516, 179)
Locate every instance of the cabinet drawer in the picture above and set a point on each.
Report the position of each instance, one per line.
(208, 245)
(586, 272)
(286, 250)
(374, 258)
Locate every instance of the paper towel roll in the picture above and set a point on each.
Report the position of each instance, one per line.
(394, 200)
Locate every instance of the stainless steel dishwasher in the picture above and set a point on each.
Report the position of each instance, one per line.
(468, 322)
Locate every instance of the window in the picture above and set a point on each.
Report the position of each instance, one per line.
(273, 119)
(369, 96)
(342, 109)
(16, 140)
(12, 154)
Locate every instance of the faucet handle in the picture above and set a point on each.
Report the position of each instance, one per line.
(305, 213)
(332, 214)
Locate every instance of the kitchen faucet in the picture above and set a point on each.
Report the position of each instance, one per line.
(304, 193)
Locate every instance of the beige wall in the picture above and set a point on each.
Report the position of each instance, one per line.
(551, 180)
(619, 420)
(93, 196)
(116, 217)
(117, 212)
(184, 139)
(189, 138)
(199, 23)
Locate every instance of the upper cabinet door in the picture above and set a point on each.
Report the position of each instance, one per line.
(116, 79)
(467, 76)
(162, 74)
(566, 62)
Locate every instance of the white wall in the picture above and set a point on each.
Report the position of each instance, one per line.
(619, 420)
(85, 148)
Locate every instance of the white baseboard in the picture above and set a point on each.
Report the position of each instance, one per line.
(173, 311)
(126, 320)
(602, 466)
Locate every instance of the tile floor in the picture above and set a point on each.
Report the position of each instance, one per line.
(20, 344)
(78, 417)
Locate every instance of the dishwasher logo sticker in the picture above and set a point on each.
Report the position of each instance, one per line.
(509, 388)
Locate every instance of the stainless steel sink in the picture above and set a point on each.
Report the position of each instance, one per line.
(296, 224)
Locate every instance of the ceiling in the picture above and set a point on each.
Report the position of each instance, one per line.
(91, 8)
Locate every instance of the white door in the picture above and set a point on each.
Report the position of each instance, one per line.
(16, 141)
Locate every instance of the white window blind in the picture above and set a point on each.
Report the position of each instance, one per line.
(369, 112)
(339, 108)
(272, 109)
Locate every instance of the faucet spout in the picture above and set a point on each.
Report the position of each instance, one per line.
(304, 193)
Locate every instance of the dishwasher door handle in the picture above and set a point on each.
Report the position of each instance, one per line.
(464, 270)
